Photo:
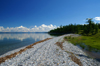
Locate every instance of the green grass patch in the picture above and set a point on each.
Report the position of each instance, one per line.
(92, 42)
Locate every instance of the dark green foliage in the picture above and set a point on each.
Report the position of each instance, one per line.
(85, 30)
(67, 29)
(89, 29)
(97, 29)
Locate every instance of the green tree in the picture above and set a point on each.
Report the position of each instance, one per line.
(85, 30)
(90, 26)
(96, 28)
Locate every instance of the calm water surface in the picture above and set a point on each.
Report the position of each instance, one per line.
(11, 41)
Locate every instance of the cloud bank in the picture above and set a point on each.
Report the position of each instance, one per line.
(42, 28)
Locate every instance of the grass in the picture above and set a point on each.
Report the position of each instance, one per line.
(92, 42)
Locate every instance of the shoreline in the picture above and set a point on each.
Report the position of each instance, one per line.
(15, 52)
(55, 51)
(12, 51)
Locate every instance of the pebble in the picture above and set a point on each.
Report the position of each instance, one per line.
(49, 54)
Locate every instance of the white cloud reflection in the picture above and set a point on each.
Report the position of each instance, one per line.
(42, 28)
(21, 37)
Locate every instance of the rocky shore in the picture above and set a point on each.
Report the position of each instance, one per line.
(50, 52)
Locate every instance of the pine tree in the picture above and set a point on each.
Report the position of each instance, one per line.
(96, 28)
(90, 26)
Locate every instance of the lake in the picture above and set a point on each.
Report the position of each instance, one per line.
(11, 41)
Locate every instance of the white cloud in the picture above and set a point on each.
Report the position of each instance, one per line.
(21, 27)
(97, 18)
(1, 28)
(35, 26)
(42, 28)
(43, 25)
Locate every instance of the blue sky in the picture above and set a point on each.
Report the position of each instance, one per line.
(46, 13)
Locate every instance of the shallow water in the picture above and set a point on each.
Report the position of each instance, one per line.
(92, 54)
(95, 55)
(11, 41)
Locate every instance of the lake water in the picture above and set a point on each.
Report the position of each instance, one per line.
(92, 54)
(11, 41)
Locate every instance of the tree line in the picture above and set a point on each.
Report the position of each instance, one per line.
(87, 29)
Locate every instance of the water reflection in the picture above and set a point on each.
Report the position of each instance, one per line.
(10, 42)
(21, 37)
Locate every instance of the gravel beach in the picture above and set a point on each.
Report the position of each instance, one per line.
(52, 52)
